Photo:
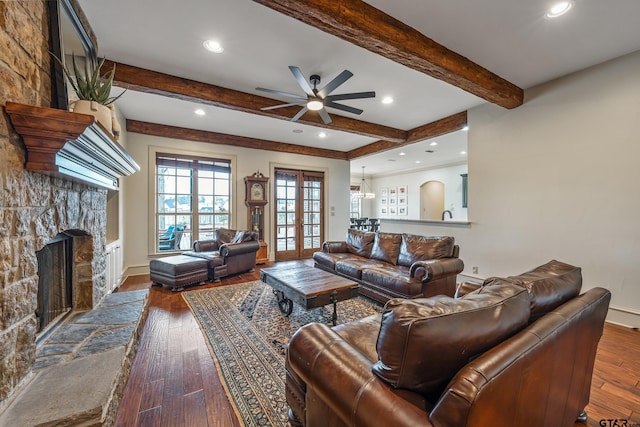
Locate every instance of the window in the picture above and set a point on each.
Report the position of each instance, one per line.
(192, 199)
(355, 210)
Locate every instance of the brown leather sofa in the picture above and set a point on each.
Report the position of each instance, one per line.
(230, 252)
(394, 265)
(516, 352)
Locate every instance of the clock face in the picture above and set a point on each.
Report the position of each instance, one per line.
(257, 192)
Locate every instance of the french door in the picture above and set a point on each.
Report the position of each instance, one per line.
(299, 213)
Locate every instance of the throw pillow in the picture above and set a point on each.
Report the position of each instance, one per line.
(424, 342)
(549, 285)
(225, 235)
(386, 247)
(359, 242)
(419, 248)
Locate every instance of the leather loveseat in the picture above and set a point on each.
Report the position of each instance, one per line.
(230, 252)
(518, 351)
(394, 265)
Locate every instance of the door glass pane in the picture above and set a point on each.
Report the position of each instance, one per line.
(312, 213)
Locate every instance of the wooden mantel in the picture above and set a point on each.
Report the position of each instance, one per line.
(70, 144)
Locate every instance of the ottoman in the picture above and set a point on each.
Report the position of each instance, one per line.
(178, 271)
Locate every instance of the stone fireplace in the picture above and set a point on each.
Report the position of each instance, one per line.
(35, 209)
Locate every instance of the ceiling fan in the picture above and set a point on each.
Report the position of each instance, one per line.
(319, 99)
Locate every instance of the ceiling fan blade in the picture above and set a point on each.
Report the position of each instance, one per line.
(333, 84)
(301, 80)
(278, 92)
(283, 105)
(355, 95)
(300, 114)
(325, 116)
(343, 107)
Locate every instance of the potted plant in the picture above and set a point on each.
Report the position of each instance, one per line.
(93, 92)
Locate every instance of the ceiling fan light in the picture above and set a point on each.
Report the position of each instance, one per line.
(315, 105)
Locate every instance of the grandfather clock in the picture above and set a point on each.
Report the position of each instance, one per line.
(256, 198)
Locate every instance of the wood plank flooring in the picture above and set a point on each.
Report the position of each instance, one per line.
(174, 381)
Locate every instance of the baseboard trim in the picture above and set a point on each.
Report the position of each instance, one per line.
(135, 270)
(623, 316)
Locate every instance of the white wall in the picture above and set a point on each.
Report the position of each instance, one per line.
(450, 176)
(247, 161)
(557, 178)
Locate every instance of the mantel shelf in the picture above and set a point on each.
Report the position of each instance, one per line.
(70, 144)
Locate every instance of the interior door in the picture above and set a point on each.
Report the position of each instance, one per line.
(299, 213)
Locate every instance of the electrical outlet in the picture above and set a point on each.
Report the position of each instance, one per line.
(474, 269)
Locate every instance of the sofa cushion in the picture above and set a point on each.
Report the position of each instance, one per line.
(360, 242)
(328, 259)
(386, 247)
(396, 280)
(549, 285)
(423, 342)
(353, 266)
(419, 248)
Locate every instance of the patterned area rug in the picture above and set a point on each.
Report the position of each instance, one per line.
(248, 336)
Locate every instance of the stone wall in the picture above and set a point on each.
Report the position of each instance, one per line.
(35, 207)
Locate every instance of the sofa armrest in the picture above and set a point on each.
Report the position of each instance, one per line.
(208, 245)
(341, 377)
(335, 247)
(231, 249)
(435, 269)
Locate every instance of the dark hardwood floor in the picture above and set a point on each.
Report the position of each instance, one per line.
(174, 381)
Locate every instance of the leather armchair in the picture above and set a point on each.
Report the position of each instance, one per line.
(532, 374)
(231, 252)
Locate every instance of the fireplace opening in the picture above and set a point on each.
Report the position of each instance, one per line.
(55, 284)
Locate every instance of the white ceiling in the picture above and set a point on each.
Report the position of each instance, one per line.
(510, 38)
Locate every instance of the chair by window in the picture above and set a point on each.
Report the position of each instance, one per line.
(171, 239)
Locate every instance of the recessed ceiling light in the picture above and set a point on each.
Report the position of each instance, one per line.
(322, 135)
(402, 153)
(297, 131)
(418, 161)
(559, 9)
(463, 152)
(213, 46)
(387, 100)
(200, 112)
(433, 144)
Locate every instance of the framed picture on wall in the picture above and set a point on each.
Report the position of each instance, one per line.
(402, 191)
(392, 210)
(402, 200)
(383, 201)
(384, 192)
(383, 210)
(402, 210)
(393, 191)
(393, 201)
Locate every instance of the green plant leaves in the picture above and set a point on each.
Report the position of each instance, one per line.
(88, 84)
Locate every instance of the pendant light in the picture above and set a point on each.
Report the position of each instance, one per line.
(362, 192)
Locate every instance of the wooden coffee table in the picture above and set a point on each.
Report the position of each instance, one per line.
(309, 287)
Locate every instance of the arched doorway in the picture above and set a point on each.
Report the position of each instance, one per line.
(431, 200)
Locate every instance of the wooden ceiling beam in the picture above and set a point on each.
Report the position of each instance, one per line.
(363, 25)
(153, 82)
(431, 130)
(166, 131)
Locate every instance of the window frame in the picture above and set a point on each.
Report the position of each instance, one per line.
(154, 214)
